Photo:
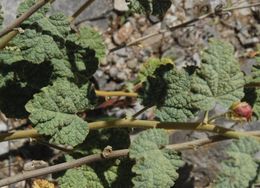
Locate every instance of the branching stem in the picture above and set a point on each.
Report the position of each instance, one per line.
(98, 157)
(24, 16)
(7, 38)
(146, 124)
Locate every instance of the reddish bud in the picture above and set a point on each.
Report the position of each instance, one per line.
(242, 110)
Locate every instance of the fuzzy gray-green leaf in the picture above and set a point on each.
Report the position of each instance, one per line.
(148, 68)
(39, 14)
(155, 166)
(8, 56)
(36, 47)
(89, 38)
(61, 69)
(241, 169)
(256, 105)
(80, 177)
(172, 95)
(219, 79)
(53, 111)
(57, 25)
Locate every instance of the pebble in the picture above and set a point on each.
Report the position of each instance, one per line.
(155, 41)
(122, 35)
(113, 71)
(132, 63)
(110, 86)
(122, 76)
(120, 5)
(3, 145)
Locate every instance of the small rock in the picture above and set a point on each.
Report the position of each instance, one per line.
(132, 63)
(3, 145)
(113, 71)
(120, 5)
(122, 35)
(111, 86)
(155, 41)
(122, 76)
(142, 21)
(104, 62)
(123, 52)
(120, 61)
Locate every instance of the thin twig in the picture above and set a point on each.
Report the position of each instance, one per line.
(62, 166)
(102, 16)
(16, 23)
(241, 7)
(184, 24)
(140, 112)
(81, 9)
(195, 143)
(99, 157)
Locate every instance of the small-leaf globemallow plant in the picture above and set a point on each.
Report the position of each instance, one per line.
(45, 76)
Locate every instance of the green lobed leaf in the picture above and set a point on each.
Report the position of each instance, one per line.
(37, 48)
(53, 111)
(9, 56)
(149, 67)
(153, 7)
(154, 166)
(81, 177)
(61, 69)
(109, 173)
(56, 25)
(180, 94)
(257, 59)
(89, 38)
(255, 76)
(256, 105)
(219, 79)
(82, 61)
(172, 95)
(39, 14)
(241, 168)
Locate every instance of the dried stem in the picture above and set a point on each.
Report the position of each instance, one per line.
(99, 157)
(24, 16)
(62, 166)
(80, 10)
(140, 112)
(10, 32)
(6, 38)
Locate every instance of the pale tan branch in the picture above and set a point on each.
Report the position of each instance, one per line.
(16, 23)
